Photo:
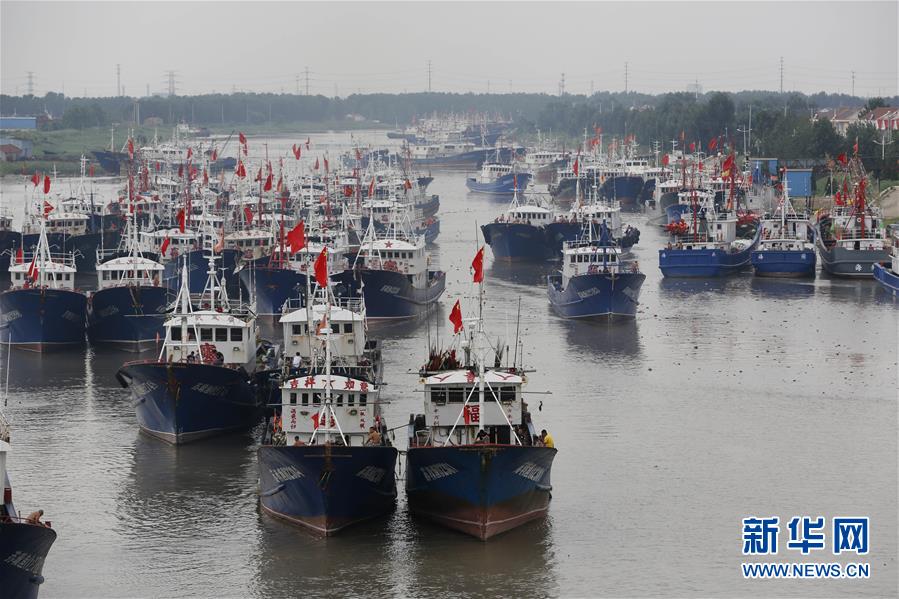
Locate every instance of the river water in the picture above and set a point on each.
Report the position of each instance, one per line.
(721, 400)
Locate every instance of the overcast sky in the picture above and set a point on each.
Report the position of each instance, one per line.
(384, 47)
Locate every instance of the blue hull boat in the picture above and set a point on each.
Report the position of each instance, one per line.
(784, 263)
(182, 402)
(596, 295)
(504, 185)
(481, 490)
(23, 549)
(326, 488)
(513, 242)
(627, 189)
(41, 319)
(710, 262)
(887, 278)
(129, 316)
(557, 233)
(390, 294)
(197, 265)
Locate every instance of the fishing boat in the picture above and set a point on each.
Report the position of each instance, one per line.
(24, 542)
(498, 179)
(706, 245)
(472, 464)
(887, 273)
(202, 384)
(392, 273)
(519, 234)
(595, 280)
(130, 305)
(851, 237)
(325, 461)
(10, 239)
(43, 310)
(786, 247)
(594, 212)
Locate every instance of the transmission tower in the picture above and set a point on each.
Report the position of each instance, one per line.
(29, 87)
(307, 81)
(781, 74)
(171, 81)
(429, 76)
(118, 80)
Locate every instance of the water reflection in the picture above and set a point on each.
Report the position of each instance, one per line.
(688, 287)
(783, 288)
(616, 342)
(527, 274)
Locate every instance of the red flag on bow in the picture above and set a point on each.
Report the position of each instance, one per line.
(455, 317)
(46, 184)
(713, 143)
(241, 169)
(577, 168)
(841, 158)
(35, 178)
(190, 152)
(268, 183)
(692, 146)
(478, 265)
(321, 268)
(326, 165)
(280, 183)
(296, 237)
(48, 208)
(33, 272)
(215, 154)
(182, 219)
(165, 246)
(248, 214)
(258, 175)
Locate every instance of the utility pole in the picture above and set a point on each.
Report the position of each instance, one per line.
(30, 85)
(118, 80)
(625, 77)
(853, 83)
(884, 142)
(298, 84)
(429, 76)
(591, 87)
(562, 85)
(781, 74)
(307, 81)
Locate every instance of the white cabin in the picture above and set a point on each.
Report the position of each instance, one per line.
(492, 172)
(446, 394)
(347, 330)
(56, 271)
(179, 242)
(582, 258)
(353, 410)
(129, 271)
(397, 255)
(251, 244)
(203, 333)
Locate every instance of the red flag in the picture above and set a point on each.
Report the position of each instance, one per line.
(20, 256)
(315, 166)
(326, 165)
(577, 165)
(280, 183)
(48, 208)
(692, 146)
(130, 149)
(478, 265)
(321, 268)
(165, 246)
(248, 214)
(728, 163)
(455, 317)
(297, 151)
(296, 237)
(35, 178)
(158, 166)
(192, 174)
(407, 184)
(205, 177)
(241, 170)
(182, 218)
(713, 143)
(665, 160)
(180, 170)
(258, 175)
(190, 152)
(215, 154)
(358, 154)
(700, 166)
(842, 159)
(347, 191)
(268, 183)
(46, 184)
(91, 171)
(33, 271)
(371, 188)
(855, 147)
(242, 138)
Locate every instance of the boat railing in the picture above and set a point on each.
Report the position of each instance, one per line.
(21, 520)
(353, 304)
(66, 259)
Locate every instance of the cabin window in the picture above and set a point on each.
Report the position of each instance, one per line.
(348, 327)
(205, 334)
(363, 399)
(316, 399)
(305, 399)
(297, 329)
(573, 258)
(236, 334)
(350, 399)
(507, 394)
(456, 395)
(340, 399)
(176, 333)
(68, 276)
(191, 334)
(221, 334)
(718, 226)
(438, 395)
(293, 398)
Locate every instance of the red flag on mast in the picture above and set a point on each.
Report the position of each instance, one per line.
(242, 138)
(478, 265)
(241, 169)
(181, 220)
(296, 237)
(665, 160)
(46, 184)
(455, 317)
(321, 268)
(268, 183)
(20, 256)
(315, 166)
(248, 214)
(165, 246)
(36, 178)
(576, 168)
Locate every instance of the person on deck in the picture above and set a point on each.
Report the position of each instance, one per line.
(374, 437)
(483, 438)
(35, 517)
(547, 439)
(297, 442)
(297, 362)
